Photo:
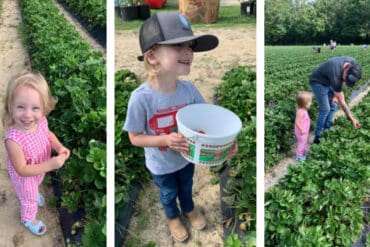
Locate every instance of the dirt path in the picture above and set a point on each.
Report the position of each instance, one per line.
(84, 34)
(236, 47)
(13, 58)
(273, 176)
(148, 222)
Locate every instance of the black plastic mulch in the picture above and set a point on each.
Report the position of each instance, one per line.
(98, 33)
(66, 219)
(227, 212)
(361, 242)
(125, 215)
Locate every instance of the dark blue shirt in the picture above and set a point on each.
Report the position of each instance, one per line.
(330, 73)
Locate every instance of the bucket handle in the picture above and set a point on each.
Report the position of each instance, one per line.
(197, 149)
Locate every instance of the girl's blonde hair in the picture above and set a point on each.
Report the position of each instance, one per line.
(33, 80)
(303, 98)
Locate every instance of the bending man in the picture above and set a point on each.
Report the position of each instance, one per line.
(327, 82)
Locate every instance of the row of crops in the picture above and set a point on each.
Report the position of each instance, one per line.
(129, 160)
(237, 93)
(319, 202)
(286, 72)
(93, 11)
(77, 77)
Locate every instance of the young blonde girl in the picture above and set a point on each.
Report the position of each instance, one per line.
(29, 142)
(302, 124)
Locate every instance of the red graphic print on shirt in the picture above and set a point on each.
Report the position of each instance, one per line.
(164, 121)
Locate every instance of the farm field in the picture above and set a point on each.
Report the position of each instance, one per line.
(322, 202)
(318, 202)
(47, 42)
(287, 69)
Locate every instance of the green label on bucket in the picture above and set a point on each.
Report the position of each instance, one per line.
(210, 154)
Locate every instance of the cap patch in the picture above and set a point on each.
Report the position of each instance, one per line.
(184, 21)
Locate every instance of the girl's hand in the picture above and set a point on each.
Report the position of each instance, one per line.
(64, 151)
(177, 142)
(58, 161)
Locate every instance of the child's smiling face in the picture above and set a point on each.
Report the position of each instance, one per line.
(27, 109)
(175, 59)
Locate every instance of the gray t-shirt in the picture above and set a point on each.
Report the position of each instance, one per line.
(330, 72)
(154, 113)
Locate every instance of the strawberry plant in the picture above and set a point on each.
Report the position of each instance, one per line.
(94, 11)
(129, 166)
(238, 93)
(76, 76)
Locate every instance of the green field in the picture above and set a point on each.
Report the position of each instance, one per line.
(287, 69)
(318, 202)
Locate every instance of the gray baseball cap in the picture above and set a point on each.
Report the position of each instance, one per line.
(169, 28)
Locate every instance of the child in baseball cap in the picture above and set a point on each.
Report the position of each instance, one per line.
(171, 28)
(167, 44)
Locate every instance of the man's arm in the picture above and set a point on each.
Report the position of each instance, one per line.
(342, 102)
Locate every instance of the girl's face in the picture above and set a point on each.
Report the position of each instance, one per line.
(27, 109)
(174, 59)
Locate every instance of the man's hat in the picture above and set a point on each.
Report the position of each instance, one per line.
(353, 75)
(169, 28)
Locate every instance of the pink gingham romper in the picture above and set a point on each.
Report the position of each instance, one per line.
(302, 146)
(37, 149)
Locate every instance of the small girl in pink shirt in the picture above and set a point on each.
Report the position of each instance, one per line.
(29, 142)
(302, 124)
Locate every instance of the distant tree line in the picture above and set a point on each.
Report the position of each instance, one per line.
(293, 22)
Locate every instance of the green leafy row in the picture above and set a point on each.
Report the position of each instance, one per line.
(129, 160)
(77, 77)
(319, 202)
(93, 11)
(287, 70)
(238, 94)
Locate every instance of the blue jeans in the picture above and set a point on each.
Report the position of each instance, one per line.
(176, 185)
(324, 97)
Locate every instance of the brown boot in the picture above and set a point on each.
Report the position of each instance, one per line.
(177, 229)
(196, 218)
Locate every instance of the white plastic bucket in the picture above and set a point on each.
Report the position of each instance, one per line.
(210, 131)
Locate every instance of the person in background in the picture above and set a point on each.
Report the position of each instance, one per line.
(332, 45)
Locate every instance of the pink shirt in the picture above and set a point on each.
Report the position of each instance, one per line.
(305, 122)
(36, 146)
